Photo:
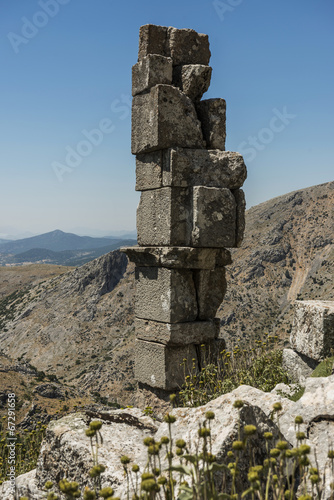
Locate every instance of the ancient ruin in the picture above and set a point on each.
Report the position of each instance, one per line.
(311, 338)
(191, 207)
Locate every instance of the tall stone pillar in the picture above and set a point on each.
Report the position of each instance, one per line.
(191, 207)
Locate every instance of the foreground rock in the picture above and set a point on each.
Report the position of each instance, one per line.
(66, 449)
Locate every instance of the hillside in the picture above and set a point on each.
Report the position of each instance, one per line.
(74, 325)
(287, 254)
(64, 257)
(79, 326)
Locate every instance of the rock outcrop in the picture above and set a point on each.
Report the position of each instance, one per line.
(66, 449)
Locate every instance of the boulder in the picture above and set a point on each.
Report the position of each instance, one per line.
(313, 328)
(66, 449)
(299, 367)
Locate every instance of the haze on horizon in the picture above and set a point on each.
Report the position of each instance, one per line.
(67, 79)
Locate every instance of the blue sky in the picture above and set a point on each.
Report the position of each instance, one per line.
(66, 70)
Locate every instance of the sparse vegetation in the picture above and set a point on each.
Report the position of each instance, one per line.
(259, 366)
(174, 472)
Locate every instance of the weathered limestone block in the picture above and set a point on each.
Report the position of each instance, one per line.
(149, 171)
(298, 367)
(185, 46)
(164, 217)
(313, 328)
(212, 114)
(240, 200)
(192, 79)
(161, 366)
(150, 71)
(182, 167)
(166, 295)
(199, 217)
(214, 217)
(164, 118)
(153, 40)
(188, 47)
(195, 332)
(211, 288)
(179, 257)
(202, 167)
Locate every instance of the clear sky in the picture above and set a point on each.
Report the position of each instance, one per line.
(66, 70)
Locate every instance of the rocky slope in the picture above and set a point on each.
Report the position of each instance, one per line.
(287, 254)
(79, 326)
(73, 326)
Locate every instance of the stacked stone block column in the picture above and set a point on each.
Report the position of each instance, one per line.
(191, 207)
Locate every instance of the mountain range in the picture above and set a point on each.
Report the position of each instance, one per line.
(58, 247)
(79, 325)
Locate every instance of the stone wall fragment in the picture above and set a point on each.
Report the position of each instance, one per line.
(212, 114)
(240, 200)
(164, 118)
(149, 171)
(192, 79)
(164, 217)
(201, 167)
(214, 217)
(166, 295)
(191, 207)
(210, 289)
(195, 332)
(179, 257)
(161, 366)
(150, 71)
(153, 40)
(188, 47)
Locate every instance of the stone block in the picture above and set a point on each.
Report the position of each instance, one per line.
(164, 118)
(192, 79)
(149, 171)
(240, 200)
(299, 367)
(313, 328)
(214, 217)
(153, 40)
(150, 71)
(165, 295)
(178, 257)
(212, 114)
(210, 289)
(161, 366)
(164, 217)
(201, 167)
(186, 46)
(195, 332)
